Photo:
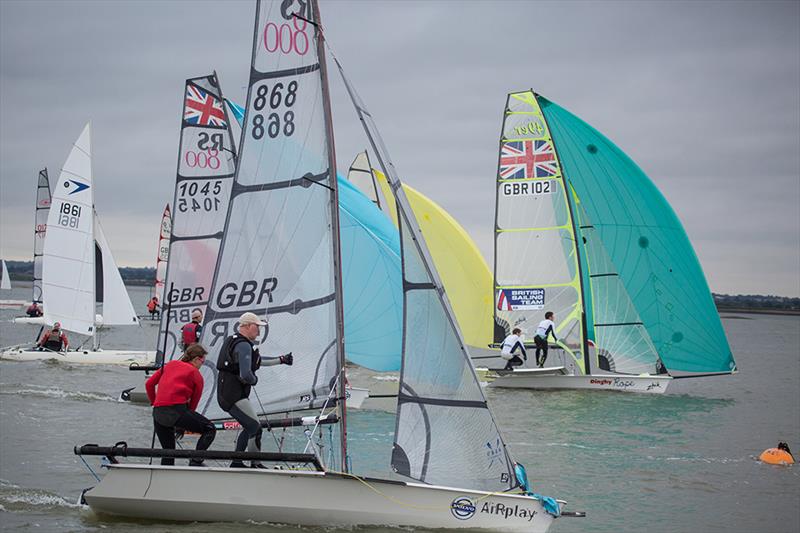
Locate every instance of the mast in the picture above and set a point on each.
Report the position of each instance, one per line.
(587, 369)
(334, 206)
(94, 255)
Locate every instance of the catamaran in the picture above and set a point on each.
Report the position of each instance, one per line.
(74, 256)
(581, 231)
(280, 255)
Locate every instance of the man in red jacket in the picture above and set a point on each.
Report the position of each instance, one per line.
(174, 391)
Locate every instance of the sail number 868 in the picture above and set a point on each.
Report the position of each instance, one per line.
(273, 124)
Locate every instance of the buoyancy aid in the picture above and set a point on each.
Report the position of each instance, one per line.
(189, 333)
(53, 341)
(230, 388)
(151, 305)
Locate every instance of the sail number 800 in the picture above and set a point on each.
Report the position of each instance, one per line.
(273, 124)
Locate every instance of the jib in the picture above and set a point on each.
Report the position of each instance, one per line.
(250, 293)
(188, 294)
(211, 141)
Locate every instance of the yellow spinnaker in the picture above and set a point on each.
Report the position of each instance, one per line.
(464, 273)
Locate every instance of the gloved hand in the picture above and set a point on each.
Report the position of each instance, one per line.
(525, 357)
(287, 359)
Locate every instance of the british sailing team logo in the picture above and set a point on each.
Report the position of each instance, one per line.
(462, 508)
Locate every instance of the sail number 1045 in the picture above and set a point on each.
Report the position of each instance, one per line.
(194, 197)
(69, 215)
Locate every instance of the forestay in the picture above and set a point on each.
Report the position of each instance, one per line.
(440, 401)
(39, 231)
(536, 258)
(648, 246)
(162, 256)
(279, 255)
(68, 256)
(117, 306)
(206, 166)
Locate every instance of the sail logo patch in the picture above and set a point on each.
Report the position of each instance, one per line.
(78, 186)
(520, 299)
(462, 508)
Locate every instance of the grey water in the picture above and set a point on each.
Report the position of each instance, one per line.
(684, 461)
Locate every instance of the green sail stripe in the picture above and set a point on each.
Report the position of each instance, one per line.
(648, 245)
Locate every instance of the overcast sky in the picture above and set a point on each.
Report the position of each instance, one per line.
(704, 96)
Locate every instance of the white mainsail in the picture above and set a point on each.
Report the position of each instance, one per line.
(360, 173)
(5, 282)
(69, 250)
(162, 256)
(279, 255)
(39, 231)
(440, 400)
(536, 265)
(206, 166)
(117, 306)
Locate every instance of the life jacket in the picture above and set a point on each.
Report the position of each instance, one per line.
(34, 310)
(230, 388)
(151, 305)
(189, 333)
(53, 341)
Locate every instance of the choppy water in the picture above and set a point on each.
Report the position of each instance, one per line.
(685, 461)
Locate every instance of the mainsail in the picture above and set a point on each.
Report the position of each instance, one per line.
(536, 262)
(647, 244)
(162, 256)
(68, 268)
(280, 247)
(39, 231)
(440, 400)
(360, 174)
(5, 281)
(206, 165)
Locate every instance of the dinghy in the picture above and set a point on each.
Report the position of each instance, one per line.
(5, 284)
(290, 269)
(581, 231)
(78, 269)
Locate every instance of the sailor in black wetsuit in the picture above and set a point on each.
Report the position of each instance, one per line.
(238, 361)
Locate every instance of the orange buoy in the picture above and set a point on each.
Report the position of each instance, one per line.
(776, 456)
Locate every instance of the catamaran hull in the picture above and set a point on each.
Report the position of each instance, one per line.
(89, 357)
(524, 379)
(305, 498)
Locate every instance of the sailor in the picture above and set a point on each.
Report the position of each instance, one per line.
(54, 339)
(34, 310)
(238, 361)
(174, 391)
(545, 328)
(190, 333)
(509, 346)
(152, 307)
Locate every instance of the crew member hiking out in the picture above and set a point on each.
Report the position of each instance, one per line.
(546, 327)
(238, 362)
(152, 307)
(174, 391)
(54, 339)
(34, 310)
(190, 333)
(509, 346)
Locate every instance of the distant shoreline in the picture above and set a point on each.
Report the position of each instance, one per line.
(759, 311)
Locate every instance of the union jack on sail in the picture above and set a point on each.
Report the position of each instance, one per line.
(202, 108)
(527, 159)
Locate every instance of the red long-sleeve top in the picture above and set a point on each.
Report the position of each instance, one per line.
(178, 383)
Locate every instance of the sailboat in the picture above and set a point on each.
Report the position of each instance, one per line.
(581, 231)
(5, 282)
(284, 207)
(40, 227)
(78, 269)
(162, 257)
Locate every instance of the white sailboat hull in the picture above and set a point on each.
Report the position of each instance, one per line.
(33, 320)
(305, 498)
(534, 379)
(12, 304)
(89, 357)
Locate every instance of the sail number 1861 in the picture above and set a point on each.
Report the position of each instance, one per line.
(69, 215)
